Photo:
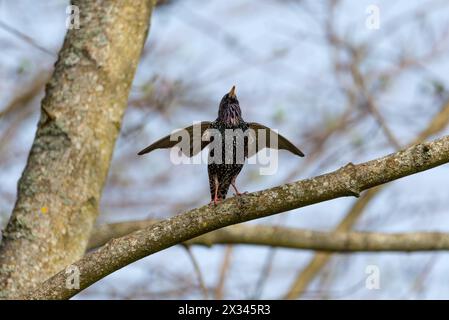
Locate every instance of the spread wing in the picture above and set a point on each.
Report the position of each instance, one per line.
(258, 130)
(193, 135)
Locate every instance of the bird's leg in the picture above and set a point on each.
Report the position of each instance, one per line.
(237, 193)
(216, 200)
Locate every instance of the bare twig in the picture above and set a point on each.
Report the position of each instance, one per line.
(198, 273)
(25, 38)
(219, 290)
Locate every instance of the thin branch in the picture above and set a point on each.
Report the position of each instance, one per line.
(198, 273)
(25, 38)
(219, 290)
(349, 180)
(27, 94)
(267, 267)
(370, 102)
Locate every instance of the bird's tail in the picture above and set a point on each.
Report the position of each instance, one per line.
(223, 189)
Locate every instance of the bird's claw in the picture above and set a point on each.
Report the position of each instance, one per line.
(215, 201)
(238, 194)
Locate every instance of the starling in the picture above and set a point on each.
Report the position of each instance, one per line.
(224, 167)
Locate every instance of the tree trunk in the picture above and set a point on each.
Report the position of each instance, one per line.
(60, 188)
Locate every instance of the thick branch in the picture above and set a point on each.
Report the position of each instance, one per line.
(347, 181)
(277, 236)
(60, 188)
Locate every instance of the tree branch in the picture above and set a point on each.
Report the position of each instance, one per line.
(308, 273)
(293, 238)
(346, 181)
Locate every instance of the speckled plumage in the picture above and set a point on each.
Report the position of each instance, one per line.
(223, 173)
(223, 169)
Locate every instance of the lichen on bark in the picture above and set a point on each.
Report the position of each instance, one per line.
(60, 188)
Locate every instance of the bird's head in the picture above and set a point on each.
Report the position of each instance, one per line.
(229, 110)
(229, 98)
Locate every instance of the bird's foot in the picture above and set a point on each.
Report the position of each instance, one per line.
(237, 192)
(215, 201)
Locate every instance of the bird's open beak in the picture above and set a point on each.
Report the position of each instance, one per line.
(232, 92)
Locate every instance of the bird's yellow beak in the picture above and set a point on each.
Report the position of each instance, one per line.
(232, 92)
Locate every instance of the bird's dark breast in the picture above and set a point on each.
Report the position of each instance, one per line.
(220, 170)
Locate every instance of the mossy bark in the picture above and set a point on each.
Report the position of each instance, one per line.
(81, 114)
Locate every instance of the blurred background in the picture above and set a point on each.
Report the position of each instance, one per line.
(340, 88)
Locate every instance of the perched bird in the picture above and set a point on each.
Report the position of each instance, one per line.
(225, 157)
